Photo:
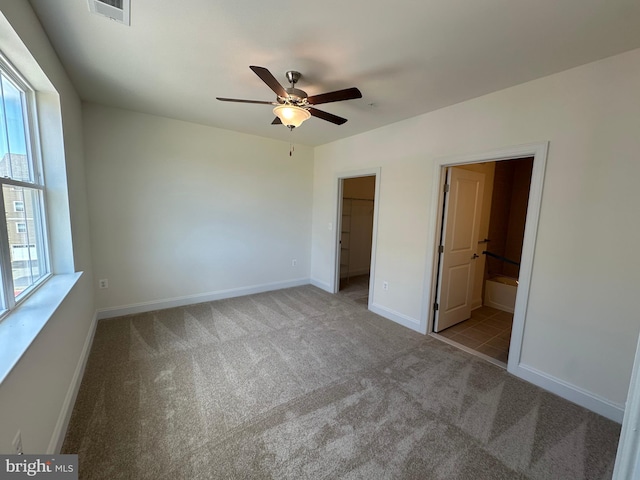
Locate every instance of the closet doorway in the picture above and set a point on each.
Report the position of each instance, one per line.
(356, 236)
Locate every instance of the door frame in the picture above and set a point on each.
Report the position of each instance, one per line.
(338, 182)
(539, 153)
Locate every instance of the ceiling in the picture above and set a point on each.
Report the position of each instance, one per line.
(408, 57)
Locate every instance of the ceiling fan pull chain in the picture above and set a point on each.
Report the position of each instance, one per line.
(291, 146)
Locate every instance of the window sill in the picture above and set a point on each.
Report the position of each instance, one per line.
(20, 328)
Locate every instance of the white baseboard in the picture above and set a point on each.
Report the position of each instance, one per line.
(397, 317)
(60, 430)
(322, 285)
(151, 306)
(591, 401)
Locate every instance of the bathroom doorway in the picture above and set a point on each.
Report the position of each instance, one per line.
(484, 212)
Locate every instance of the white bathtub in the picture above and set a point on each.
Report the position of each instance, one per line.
(500, 293)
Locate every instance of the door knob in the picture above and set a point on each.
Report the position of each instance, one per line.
(475, 255)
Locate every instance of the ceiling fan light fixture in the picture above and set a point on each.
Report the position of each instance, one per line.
(290, 115)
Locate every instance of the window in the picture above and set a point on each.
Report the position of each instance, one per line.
(23, 235)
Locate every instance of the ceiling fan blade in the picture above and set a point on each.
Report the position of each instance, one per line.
(276, 121)
(270, 80)
(237, 100)
(337, 96)
(329, 117)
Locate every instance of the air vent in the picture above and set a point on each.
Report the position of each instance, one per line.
(117, 10)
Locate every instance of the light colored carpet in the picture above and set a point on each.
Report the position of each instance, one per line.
(297, 384)
(356, 288)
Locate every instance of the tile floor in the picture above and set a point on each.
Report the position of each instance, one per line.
(488, 331)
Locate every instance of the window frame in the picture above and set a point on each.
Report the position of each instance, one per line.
(8, 300)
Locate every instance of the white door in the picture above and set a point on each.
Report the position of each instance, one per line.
(461, 226)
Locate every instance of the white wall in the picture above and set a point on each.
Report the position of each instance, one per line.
(35, 395)
(581, 320)
(181, 212)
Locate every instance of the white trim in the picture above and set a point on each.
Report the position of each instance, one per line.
(321, 285)
(595, 403)
(60, 429)
(337, 239)
(338, 181)
(104, 9)
(528, 249)
(433, 239)
(30, 317)
(627, 465)
(539, 153)
(34, 182)
(153, 305)
(389, 314)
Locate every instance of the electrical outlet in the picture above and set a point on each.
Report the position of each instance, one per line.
(385, 285)
(103, 283)
(17, 443)
(294, 262)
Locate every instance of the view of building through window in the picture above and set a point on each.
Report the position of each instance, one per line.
(22, 193)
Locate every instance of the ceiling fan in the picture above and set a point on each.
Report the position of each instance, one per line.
(293, 106)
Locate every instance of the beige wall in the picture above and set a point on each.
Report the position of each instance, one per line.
(591, 119)
(508, 215)
(517, 215)
(360, 187)
(357, 219)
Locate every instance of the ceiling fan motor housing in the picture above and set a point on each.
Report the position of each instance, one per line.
(296, 96)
